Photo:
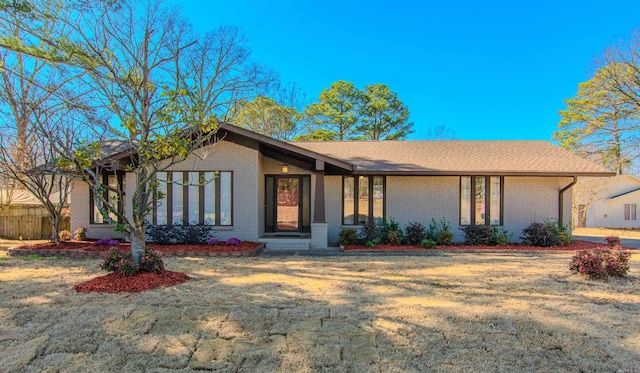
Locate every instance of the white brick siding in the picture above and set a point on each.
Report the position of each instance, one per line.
(420, 198)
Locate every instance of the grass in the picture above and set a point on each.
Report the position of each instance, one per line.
(455, 312)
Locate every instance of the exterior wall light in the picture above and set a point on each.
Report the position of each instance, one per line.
(285, 168)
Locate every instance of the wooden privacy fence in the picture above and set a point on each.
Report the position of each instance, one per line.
(28, 223)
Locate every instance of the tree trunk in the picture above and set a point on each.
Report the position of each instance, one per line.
(55, 225)
(137, 237)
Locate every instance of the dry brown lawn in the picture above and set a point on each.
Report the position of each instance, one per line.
(448, 313)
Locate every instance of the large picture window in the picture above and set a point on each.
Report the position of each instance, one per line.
(363, 199)
(112, 183)
(481, 199)
(194, 197)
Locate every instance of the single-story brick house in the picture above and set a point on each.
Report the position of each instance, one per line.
(301, 194)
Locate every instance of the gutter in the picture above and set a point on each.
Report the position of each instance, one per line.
(561, 199)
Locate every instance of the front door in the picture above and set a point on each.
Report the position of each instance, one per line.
(287, 203)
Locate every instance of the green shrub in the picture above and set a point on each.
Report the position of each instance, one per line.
(600, 263)
(428, 244)
(549, 233)
(185, 233)
(440, 232)
(196, 233)
(373, 243)
(415, 233)
(391, 233)
(502, 239)
(151, 261)
(480, 235)
(347, 237)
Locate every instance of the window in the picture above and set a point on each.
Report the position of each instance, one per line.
(630, 211)
(362, 199)
(481, 200)
(194, 197)
(112, 183)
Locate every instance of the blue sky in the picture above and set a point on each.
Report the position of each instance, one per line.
(486, 69)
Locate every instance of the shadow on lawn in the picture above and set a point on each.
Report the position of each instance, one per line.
(363, 314)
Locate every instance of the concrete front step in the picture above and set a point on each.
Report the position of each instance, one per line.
(286, 243)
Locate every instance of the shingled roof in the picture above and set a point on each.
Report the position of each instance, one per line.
(513, 157)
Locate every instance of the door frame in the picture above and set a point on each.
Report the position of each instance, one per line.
(273, 198)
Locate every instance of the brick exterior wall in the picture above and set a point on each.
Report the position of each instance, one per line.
(420, 198)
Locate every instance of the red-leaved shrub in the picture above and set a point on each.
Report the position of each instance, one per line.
(600, 263)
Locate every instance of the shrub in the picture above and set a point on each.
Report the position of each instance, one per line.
(214, 241)
(164, 234)
(119, 261)
(233, 242)
(64, 235)
(480, 235)
(600, 263)
(428, 244)
(106, 242)
(440, 232)
(612, 241)
(195, 233)
(347, 237)
(549, 233)
(390, 232)
(80, 234)
(415, 233)
(394, 237)
(151, 261)
(502, 239)
(369, 232)
(373, 243)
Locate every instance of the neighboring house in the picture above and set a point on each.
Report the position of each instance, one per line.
(608, 203)
(303, 194)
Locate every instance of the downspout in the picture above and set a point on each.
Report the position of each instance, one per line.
(561, 199)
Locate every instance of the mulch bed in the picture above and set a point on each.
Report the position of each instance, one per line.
(575, 246)
(86, 249)
(142, 281)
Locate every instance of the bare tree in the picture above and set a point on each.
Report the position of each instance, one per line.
(586, 191)
(32, 91)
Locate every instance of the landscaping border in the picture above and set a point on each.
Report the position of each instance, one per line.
(85, 254)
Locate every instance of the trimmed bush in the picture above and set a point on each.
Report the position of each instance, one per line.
(600, 263)
(373, 243)
(214, 241)
(196, 233)
(414, 233)
(440, 232)
(612, 241)
(347, 237)
(428, 244)
(106, 242)
(120, 261)
(480, 235)
(185, 233)
(549, 233)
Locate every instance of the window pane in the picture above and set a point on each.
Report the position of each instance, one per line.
(225, 198)
(378, 199)
(465, 200)
(209, 198)
(177, 190)
(633, 211)
(363, 200)
(626, 212)
(480, 200)
(494, 214)
(161, 203)
(347, 200)
(194, 198)
(97, 216)
(112, 197)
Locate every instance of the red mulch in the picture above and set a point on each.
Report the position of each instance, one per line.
(142, 281)
(575, 245)
(87, 246)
